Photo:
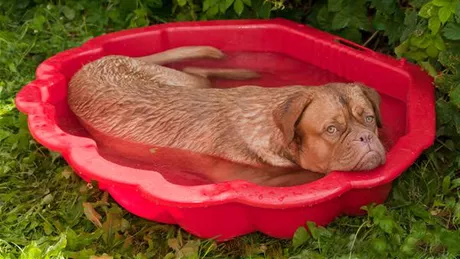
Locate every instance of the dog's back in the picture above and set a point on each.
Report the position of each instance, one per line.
(151, 104)
(116, 96)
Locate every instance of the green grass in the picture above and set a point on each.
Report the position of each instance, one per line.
(46, 211)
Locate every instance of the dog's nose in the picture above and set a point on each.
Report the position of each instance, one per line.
(365, 137)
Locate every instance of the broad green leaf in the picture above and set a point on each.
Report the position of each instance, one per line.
(341, 19)
(301, 236)
(48, 199)
(393, 30)
(445, 185)
(428, 67)
(443, 83)
(359, 19)
(334, 5)
(386, 223)
(439, 43)
(351, 33)
(450, 58)
(224, 5)
(48, 228)
(191, 249)
(181, 2)
(432, 51)
(434, 24)
(114, 15)
(379, 22)
(416, 55)
(452, 31)
(410, 22)
(313, 228)
(379, 244)
(444, 110)
(140, 18)
(378, 211)
(455, 95)
(441, 2)
(402, 48)
(68, 12)
(455, 183)
(264, 10)
(4, 134)
(419, 228)
(409, 245)
(213, 10)
(421, 212)
(421, 42)
(207, 4)
(386, 6)
(444, 13)
(427, 10)
(247, 2)
(323, 18)
(6, 108)
(451, 239)
(56, 249)
(31, 251)
(410, 19)
(38, 22)
(238, 6)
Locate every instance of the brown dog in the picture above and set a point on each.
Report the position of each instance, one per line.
(265, 135)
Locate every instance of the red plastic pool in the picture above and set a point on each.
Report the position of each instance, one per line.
(286, 53)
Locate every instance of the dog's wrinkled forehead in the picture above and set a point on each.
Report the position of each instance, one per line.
(344, 96)
(353, 95)
(339, 103)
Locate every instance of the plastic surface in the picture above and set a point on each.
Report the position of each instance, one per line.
(286, 53)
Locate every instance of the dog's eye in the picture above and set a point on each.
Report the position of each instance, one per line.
(369, 119)
(331, 129)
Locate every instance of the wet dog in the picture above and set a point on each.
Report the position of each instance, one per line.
(270, 136)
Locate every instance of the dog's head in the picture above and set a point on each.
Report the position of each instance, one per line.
(332, 128)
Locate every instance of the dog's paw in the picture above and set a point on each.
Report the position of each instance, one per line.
(242, 74)
(211, 52)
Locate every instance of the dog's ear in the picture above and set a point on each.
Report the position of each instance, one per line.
(288, 113)
(374, 98)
